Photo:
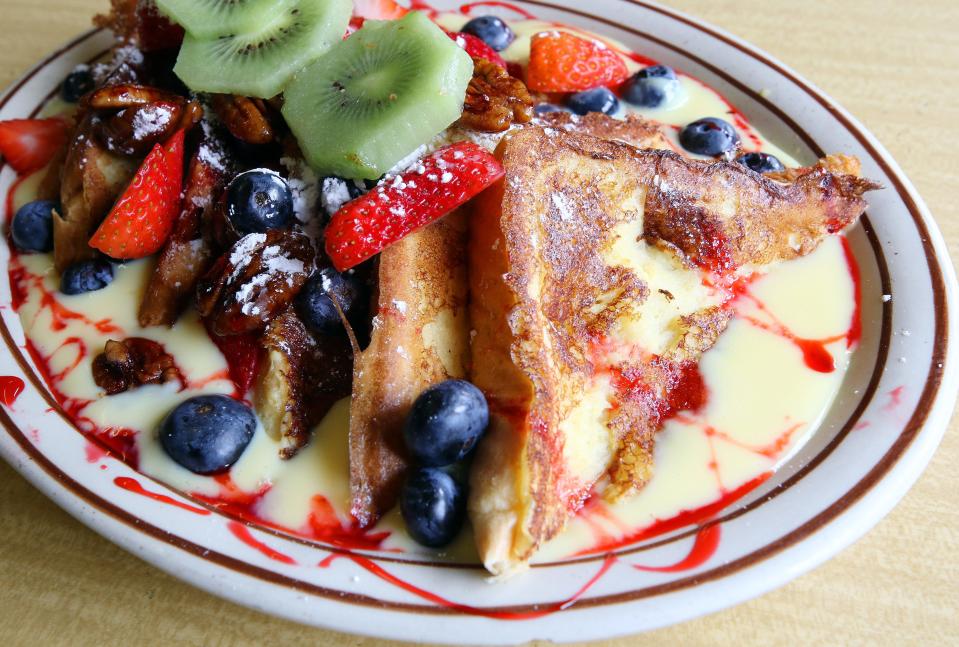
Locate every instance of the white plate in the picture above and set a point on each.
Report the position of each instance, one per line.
(877, 438)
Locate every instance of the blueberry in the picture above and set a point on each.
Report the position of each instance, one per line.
(77, 84)
(259, 200)
(491, 30)
(86, 276)
(652, 87)
(315, 304)
(709, 136)
(445, 422)
(32, 226)
(433, 505)
(208, 433)
(760, 162)
(595, 100)
(543, 108)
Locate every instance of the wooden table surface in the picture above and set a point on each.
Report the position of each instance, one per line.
(893, 64)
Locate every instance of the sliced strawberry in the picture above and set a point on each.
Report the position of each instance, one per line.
(30, 144)
(242, 355)
(143, 217)
(561, 62)
(402, 204)
(378, 9)
(477, 48)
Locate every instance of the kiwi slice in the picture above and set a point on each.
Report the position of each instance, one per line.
(260, 62)
(212, 18)
(377, 96)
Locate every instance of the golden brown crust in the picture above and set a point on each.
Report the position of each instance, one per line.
(835, 164)
(723, 216)
(420, 337)
(543, 288)
(634, 130)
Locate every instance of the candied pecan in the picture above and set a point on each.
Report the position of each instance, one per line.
(127, 95)
(134, 131)
(244, 117)
(494, 99)
(127, 364)
(132, 118)
(254, 281)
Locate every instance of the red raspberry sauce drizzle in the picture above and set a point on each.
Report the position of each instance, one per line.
(468, 8)
(11, 387)
(322, 525)
(22, 281)
(704, 547)
(815, 354)
(685, 518)
(242, 533)
(429, 596)
(132, 485)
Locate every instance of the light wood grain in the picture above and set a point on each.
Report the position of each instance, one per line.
(894, 65)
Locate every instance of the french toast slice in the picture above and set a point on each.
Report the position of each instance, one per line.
(420, 337)
(425, 339)
(586, 268)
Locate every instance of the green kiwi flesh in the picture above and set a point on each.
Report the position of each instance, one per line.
(212, 18)
(377, 96)
(260, 62)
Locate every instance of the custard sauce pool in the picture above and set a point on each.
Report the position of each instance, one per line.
(762, 395)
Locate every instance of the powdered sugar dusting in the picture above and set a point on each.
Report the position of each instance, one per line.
(305, 186)
(243, 250)
(275, 265)
(334, 194)
(150, 120)
(562, 205)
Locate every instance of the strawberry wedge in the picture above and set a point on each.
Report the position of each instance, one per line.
(141, 220)
(30, 144)
(561, 62)
(401, 204)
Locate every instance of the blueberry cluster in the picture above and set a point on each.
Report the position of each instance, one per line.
(443, 427)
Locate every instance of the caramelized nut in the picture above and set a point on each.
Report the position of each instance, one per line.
(494, 99)
(126, 95)
(132, 118)
(244, 117)
(127, 364)
(255, 281)
(135, 130)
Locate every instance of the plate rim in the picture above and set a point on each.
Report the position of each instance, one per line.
(935, 418)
